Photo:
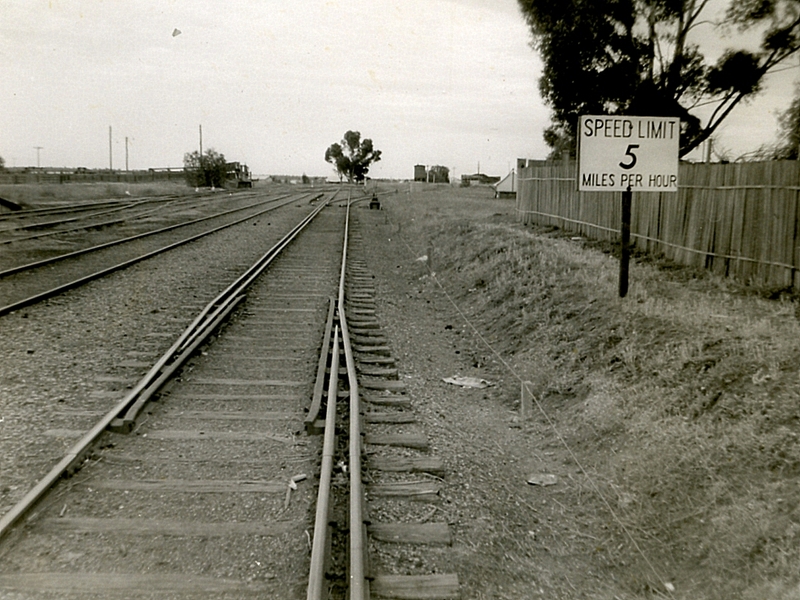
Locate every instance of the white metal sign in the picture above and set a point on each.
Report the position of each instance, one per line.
(616, 152)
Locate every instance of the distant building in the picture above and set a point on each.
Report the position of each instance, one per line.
(436, 174)
(480, 178)
(240, 173)
(507, 186)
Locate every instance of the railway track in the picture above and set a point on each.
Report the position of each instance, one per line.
(396, 552)
(83, 222)
(193, 500)
(67, 218)
(31, 214)
(20, 286)
(203, 480)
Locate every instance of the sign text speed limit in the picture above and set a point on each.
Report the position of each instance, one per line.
(616, 152)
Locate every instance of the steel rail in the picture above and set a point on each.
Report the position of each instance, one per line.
(210, 317)
(54, 259)
(125, 423)
(358, 584)
(123, 265)
(316, 397)
(319, 548)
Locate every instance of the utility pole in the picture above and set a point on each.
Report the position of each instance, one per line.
(126, 152)
(201, 142)
(110, 161)
(38, 163)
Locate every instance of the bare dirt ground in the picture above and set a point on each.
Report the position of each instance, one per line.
(661, 456)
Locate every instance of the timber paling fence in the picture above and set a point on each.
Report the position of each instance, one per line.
(739, 220)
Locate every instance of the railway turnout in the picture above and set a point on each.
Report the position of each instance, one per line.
(208, 479)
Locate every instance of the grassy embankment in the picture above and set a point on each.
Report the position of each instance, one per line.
(682, 399)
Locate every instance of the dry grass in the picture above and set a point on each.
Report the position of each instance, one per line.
(683, 397)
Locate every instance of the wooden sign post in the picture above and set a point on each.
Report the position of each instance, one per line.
(625, 242)
(619, 153)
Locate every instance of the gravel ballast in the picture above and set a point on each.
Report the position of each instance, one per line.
(72, 357)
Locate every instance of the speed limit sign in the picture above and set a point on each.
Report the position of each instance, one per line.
(616, 153)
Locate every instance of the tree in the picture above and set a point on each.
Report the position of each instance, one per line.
(634, 57)
(208, 170)
(788, 146)
(439, 174)
(353, 156)
(2, 164)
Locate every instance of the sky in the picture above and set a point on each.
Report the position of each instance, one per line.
(274, 83)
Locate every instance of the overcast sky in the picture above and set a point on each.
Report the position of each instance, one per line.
(274, 83)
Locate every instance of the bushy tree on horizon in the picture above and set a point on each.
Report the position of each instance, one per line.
(353, 156)
(439, 174)
(635, 57)
(208, 170)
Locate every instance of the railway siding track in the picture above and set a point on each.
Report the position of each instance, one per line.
(211, 492)
(83, 230)
(72, 358)
(403, 478)
(380, 497)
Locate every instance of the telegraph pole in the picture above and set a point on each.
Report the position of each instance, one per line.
(38, 163)
(201, 141)
(126, 152)
(110, 161)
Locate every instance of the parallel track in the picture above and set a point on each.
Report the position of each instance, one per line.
(374, 419)
(19, 228)
(17, 293)
(211, 460)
